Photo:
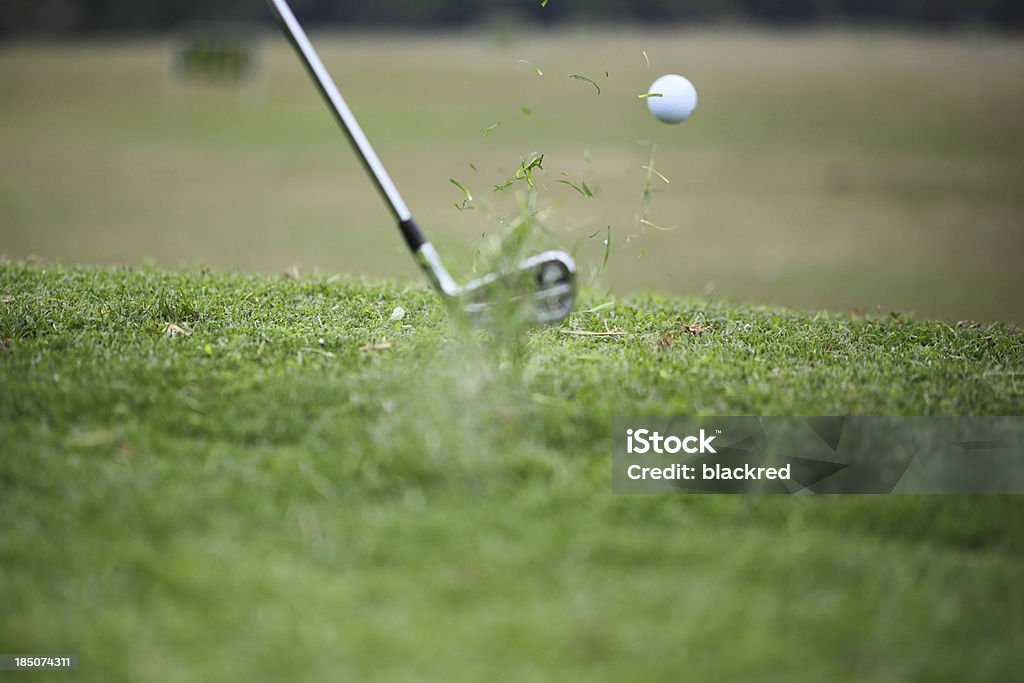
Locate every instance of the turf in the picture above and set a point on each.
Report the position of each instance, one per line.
(291, 484)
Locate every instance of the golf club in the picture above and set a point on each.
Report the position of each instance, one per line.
(547, 280)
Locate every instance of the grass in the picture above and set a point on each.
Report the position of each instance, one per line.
(256, 494)
(851, 171)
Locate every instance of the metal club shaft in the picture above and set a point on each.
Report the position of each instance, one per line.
(300, 41)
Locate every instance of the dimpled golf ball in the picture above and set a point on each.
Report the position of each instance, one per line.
(678, 98)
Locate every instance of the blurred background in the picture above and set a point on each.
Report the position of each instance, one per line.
(853, 155)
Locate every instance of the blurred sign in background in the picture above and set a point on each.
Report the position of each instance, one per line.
(845, 155)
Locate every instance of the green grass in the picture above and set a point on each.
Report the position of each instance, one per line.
(258, 498)
(851, 171)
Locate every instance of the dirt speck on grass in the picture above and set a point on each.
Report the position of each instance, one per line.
(172, 330)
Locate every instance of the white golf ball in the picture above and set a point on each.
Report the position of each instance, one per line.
(678, 98)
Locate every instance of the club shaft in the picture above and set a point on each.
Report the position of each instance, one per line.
(297, 36)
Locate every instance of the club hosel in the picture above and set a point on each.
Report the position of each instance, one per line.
(435, 271)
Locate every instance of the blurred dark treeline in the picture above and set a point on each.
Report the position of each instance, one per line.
(84, 17)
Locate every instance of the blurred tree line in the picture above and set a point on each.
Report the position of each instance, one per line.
(71, 17)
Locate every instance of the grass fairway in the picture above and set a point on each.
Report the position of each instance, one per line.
(253, 496)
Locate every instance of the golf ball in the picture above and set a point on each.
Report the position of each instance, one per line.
(678, 98)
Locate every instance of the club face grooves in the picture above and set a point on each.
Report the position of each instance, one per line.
(545, 284)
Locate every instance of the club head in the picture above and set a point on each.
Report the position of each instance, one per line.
(546, 283)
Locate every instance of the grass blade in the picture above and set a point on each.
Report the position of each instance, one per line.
(525, 170)
(578, 77)
(656, 226)
(456, 183)
(651, 169)
(535, 67)
(585, 191)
